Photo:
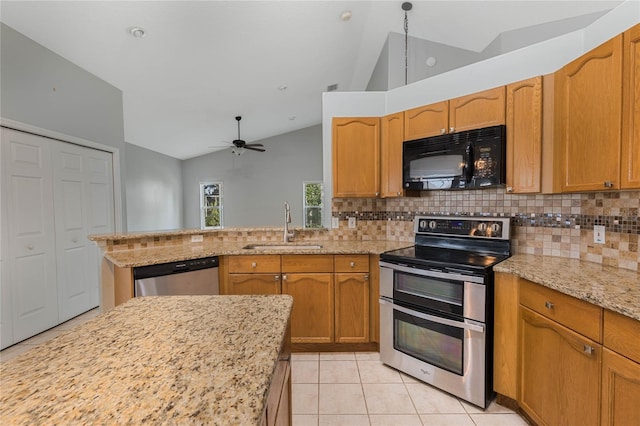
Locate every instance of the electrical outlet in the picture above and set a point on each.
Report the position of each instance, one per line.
(598, 234)
(197, 238)
(335, 222)
(352, 222)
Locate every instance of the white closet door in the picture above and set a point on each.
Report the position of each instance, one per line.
(30, 228)
(100, 210)
(6, 324)
(75, 294)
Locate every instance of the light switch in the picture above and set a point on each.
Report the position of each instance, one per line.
(352, 222)
(598, 234)
(335, 222)
(197, 238)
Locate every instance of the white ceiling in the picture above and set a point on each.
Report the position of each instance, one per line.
(204, 62)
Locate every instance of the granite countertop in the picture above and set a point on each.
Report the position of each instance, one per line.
(611, 288)
(175, 253)
(192, 231)
(169, 360)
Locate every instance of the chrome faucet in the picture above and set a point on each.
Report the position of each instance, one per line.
(287, 220)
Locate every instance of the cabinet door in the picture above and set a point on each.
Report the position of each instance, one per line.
(524, 135)
(620, 390)
(478, 110)
(312, 314)
(559, 373)
(588, 107)
(254, 284)
(425, 121)
(356, 157)
(352, 308)
(630, 164)
(391, 155)
(27, 177)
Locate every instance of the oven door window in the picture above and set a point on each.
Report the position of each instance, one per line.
(436, 344)
(437, 294)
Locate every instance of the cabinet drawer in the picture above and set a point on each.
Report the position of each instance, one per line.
(352, 263)
(259, 264)
(307, 263)
(580, 316)
(621, 335)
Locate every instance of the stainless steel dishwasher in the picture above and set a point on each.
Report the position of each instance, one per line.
(190, 277)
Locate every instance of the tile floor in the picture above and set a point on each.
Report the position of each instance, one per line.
(38, 339)
(349, 389)
(353, 389)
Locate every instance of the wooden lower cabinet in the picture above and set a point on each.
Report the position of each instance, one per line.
(254, 284)
(620, 390)
(312, 318)
(559, 373)
(505, 335)
(352, 308)
(278, 409)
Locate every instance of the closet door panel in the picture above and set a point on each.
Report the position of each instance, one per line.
(30, 228)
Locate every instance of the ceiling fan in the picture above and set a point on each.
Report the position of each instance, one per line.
(240, 145)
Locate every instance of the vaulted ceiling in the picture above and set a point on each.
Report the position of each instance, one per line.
(201, 63)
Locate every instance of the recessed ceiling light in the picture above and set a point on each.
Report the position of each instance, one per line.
(137, 32)
(282, 87)
(431, 61)
(346, 15)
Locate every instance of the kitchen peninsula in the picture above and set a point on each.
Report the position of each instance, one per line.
(182, 359)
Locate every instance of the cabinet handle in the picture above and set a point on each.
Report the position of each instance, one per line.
(352, 264)
(608, 184)
(254, 264)
(548, 305)
(399, 193)
(366, 277)
(509, 189)
(588, 349)
(377, 193)
(451, 129)
(277, 277)
(284, 278)
(443, 131)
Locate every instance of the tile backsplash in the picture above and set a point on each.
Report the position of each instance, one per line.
(554, 225)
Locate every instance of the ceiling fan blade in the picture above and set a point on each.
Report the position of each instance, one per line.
(253, 148)
(254, 144)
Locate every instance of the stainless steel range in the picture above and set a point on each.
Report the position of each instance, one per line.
(436, 304)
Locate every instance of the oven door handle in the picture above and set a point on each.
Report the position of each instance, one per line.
(432, 318)
(434, 274)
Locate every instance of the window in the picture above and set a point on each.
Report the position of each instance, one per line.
(211, 205)
(312, 204)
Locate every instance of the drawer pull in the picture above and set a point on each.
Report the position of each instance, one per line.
(548, 305)
(352, 264)
(588, 349)
(277, 277)
(254, 264)
(284, 278)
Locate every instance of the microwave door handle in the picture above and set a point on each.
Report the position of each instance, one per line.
(469, 161)
(438, 320)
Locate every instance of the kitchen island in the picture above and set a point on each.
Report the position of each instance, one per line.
(169, 360)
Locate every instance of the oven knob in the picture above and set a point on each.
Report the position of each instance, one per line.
(423, 224)
(432, 224)
(495, 228)
(482, 226)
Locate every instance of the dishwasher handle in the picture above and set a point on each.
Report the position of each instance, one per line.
(162, 269)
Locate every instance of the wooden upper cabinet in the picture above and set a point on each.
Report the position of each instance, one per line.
(588, 107)
(356, 157)
(478, 110)
(524, 135)
(391, 155)
(425, 121)
(630, 161)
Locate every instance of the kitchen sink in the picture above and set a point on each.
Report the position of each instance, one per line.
(282, 246)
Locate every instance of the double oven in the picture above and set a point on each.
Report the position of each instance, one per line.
(436, 304)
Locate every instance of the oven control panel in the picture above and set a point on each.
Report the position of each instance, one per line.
(490, 227)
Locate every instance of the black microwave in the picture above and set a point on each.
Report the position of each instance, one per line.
(463, 160)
